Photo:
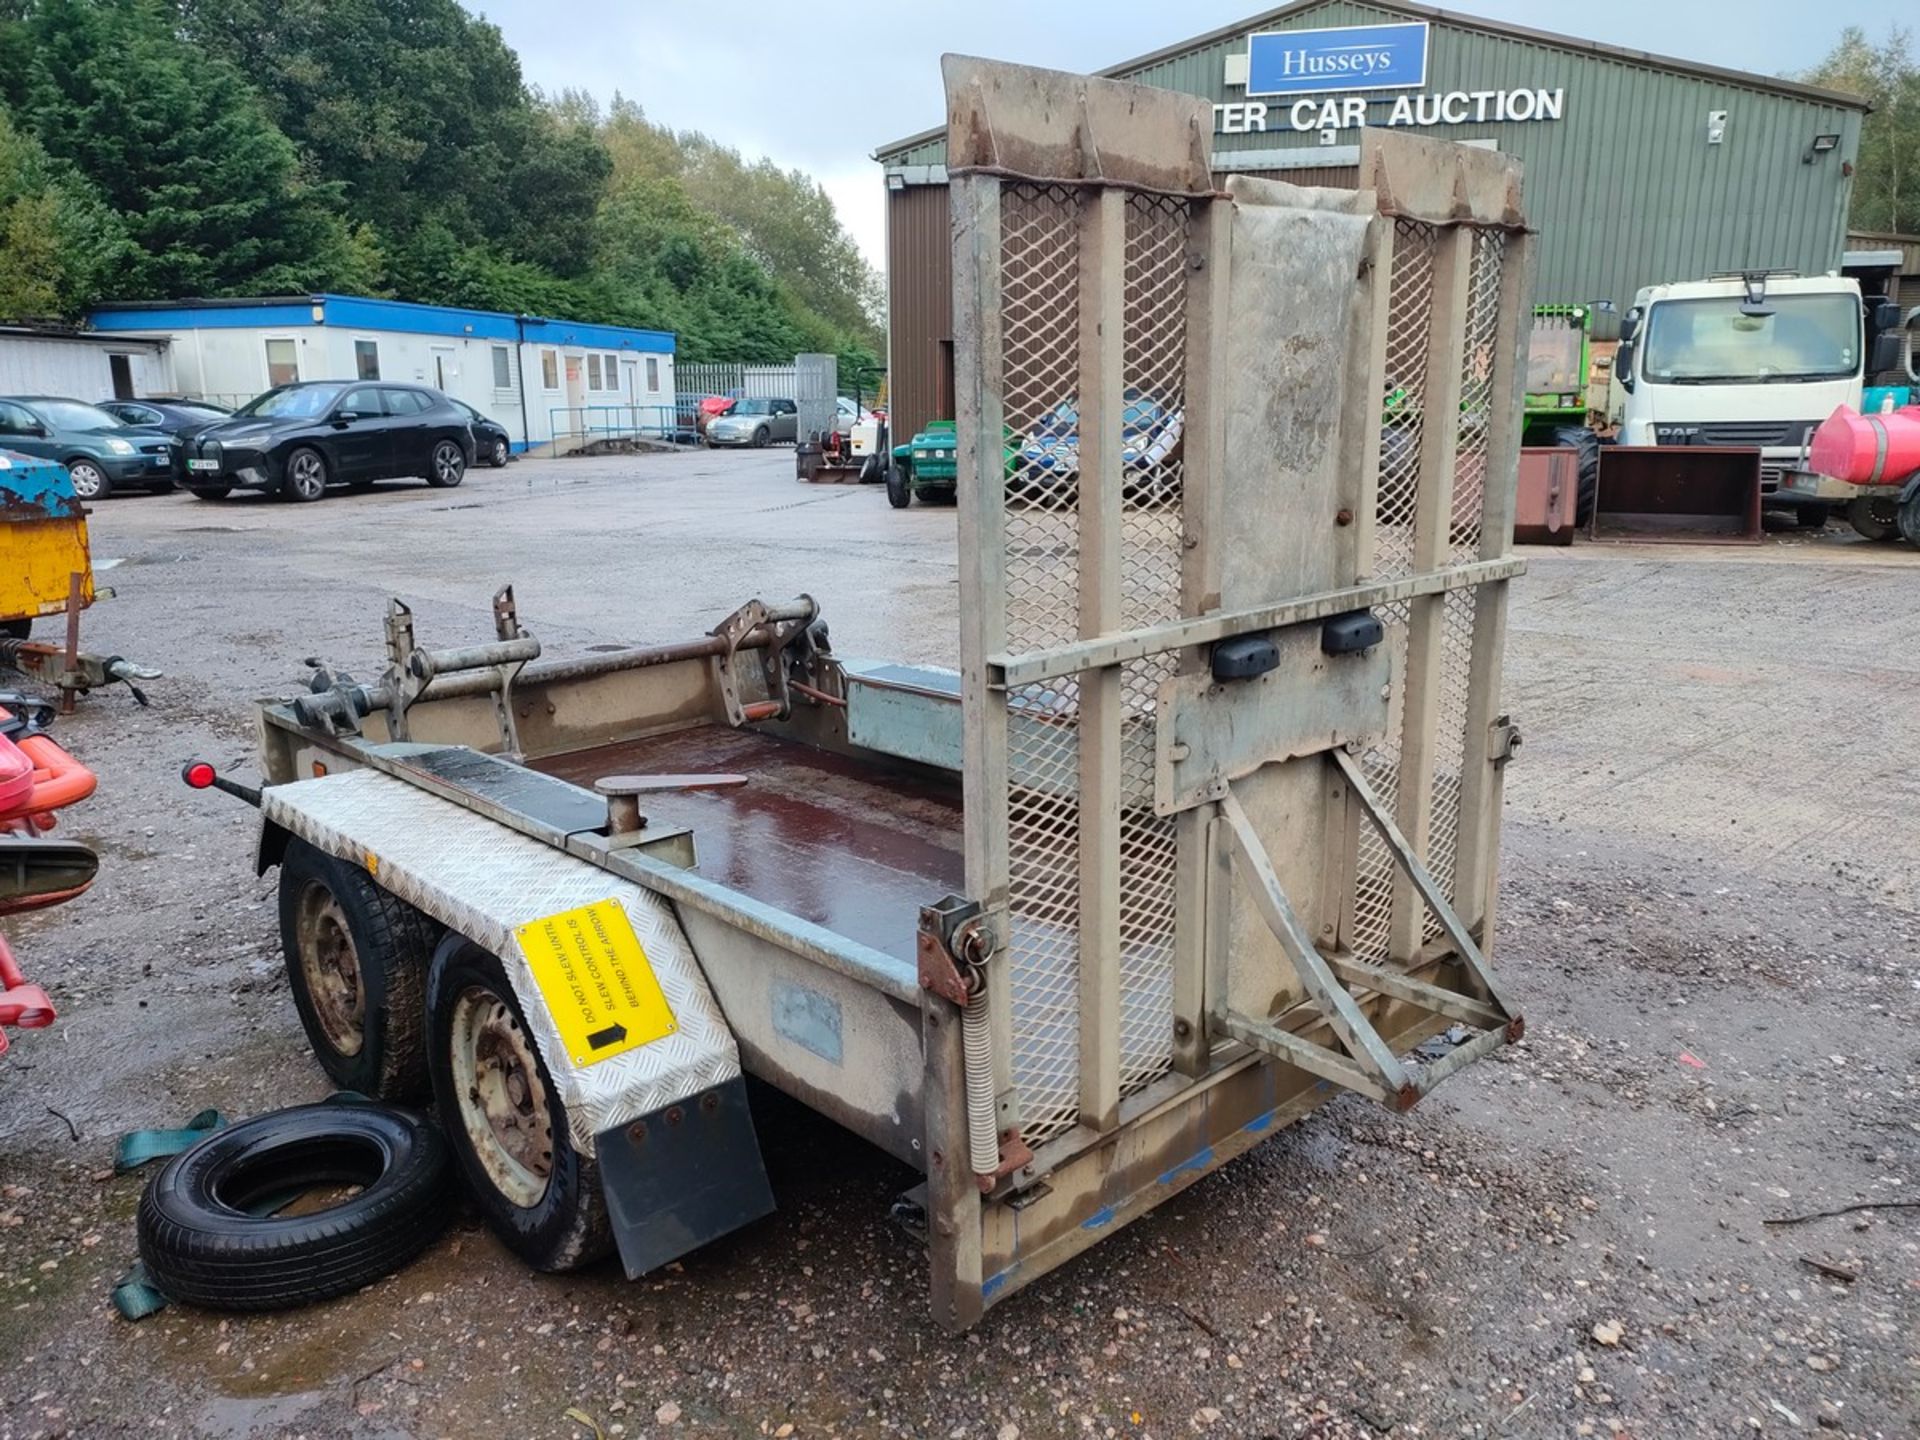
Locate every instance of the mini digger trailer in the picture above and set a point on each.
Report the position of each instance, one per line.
(1201, 834)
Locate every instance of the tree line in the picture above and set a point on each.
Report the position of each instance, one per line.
(161, 149)
(1886, 185)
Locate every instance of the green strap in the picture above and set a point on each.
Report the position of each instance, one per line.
(134, 1295)
(138, 1147)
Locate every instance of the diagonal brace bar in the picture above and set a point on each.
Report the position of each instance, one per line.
(1441, 1001)
(1373, 1056)
(1316, 1059)
(1478, 970)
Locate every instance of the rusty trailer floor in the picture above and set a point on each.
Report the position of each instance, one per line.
(854, 847)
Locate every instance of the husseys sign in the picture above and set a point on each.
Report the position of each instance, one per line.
(1303, 79)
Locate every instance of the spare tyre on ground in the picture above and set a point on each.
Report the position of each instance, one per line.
(212, 1234)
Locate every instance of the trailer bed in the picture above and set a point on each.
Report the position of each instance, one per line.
(848, 845)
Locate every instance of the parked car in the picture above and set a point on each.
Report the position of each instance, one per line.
(755, 422)
(1150, 434)
(99, 452)
(298, 439)
(175, 416)
(491, 442)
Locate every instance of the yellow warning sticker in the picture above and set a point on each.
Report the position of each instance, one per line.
(598, 985)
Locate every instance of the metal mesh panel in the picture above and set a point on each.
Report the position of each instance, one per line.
(1040, 319)
(1043, 902)
(1409, 312)
(1040, 322)
(1149, 850)
(1463, 537)
(1409, 321)
(1154, 377)
(1476, 394)
(1374, 867)
(1450, 719)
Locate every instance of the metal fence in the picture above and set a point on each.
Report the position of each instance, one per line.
(226, 399)
(759, 382)
(812, 382)
(580, 427)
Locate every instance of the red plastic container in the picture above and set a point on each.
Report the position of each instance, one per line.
(1867, 449)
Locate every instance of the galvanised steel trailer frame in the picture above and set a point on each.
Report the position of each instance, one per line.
(1202, 833)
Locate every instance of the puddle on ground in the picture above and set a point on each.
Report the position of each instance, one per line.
(236, 1418)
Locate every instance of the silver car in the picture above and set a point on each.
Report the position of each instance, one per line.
(755, 422)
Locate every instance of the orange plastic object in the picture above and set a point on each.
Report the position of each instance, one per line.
(16, 777)
(59, 780)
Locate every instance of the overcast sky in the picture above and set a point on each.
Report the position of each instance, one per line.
(741, 72)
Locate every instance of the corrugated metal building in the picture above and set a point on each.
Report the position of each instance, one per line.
(1887, 263)
(54, 360)
(1639, 169)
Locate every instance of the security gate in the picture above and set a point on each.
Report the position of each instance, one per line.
(1236, 482)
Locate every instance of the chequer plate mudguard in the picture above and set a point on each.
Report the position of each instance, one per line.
(486, 881)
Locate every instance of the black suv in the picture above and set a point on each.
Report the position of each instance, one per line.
(299, 439)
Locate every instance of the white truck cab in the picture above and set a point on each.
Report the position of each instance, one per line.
(1755, 360)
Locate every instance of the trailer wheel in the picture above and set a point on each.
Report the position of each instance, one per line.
(204, 1240)
(1873, 517)
(357, 965)
(899, 487)
(504, 1118)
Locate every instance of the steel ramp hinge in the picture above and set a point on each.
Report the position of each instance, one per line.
(1361, 1059)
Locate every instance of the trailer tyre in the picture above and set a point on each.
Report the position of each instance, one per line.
(205, 1243)
(357, 959)
(504, 1119)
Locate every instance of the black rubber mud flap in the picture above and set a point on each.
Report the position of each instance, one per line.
(682, 1176)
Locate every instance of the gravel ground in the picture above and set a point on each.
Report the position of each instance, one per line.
(1709, 912)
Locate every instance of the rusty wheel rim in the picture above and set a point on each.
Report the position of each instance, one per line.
(330, 970)
(502, 1102)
